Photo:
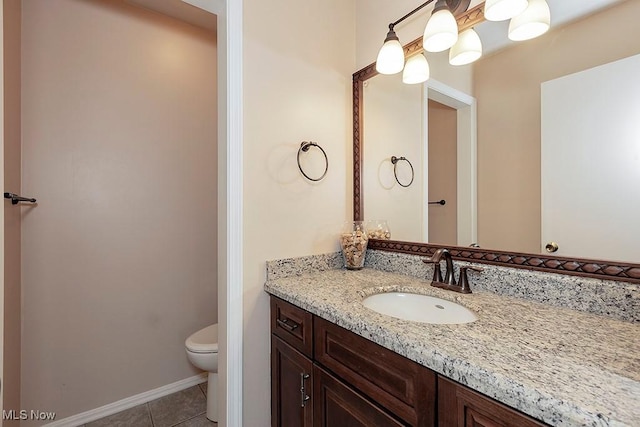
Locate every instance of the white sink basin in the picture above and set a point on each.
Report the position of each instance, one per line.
(419, 308)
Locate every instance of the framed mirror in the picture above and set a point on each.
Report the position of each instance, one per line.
(511, 145)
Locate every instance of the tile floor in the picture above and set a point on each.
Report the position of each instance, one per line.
(185, 408)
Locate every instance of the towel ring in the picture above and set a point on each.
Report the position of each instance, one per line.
(305, 147)
(395, 161)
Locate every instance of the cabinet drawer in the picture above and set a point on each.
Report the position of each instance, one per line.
(404, 387)
(459, 406)
(293, 324)
(336, 405)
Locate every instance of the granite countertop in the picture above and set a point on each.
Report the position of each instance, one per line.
(561, 366)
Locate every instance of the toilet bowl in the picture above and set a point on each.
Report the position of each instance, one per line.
(202, 352)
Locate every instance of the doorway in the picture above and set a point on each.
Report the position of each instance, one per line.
(119, 147)
(448, 99)
(442, 168)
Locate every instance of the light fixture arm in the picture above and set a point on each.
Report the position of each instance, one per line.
(454, 6)
(417, 9)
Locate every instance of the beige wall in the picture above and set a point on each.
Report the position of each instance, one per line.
(298, 59)
(443, 166)
(119, 147)
(12, 161)
(393, 111)
(507, 86)
(372, 24)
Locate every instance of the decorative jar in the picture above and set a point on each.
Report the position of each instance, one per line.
(353, 241)
(378, 229)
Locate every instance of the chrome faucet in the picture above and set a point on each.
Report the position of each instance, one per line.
(449, 281)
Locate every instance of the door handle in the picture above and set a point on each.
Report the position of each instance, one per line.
(15, 199)
(551, 247)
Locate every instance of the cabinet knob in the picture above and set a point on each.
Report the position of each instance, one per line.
(551, 247)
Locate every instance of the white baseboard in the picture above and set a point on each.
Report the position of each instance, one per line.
(129, 402)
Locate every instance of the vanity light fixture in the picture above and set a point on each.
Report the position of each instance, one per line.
(467, 49)
(441, 31)
(416, 70)
(533, 22)
(529, 19)
(501, 10)
(391, 56)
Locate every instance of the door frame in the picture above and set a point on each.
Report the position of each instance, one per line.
(467, 158)
(230, 205)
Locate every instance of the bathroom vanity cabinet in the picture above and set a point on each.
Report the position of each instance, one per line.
(461, 406)
(324, 375)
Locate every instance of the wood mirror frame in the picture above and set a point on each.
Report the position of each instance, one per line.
(601, 269)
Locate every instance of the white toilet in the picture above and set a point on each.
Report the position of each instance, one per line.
(202, 352)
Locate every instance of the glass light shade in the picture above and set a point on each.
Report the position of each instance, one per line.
(416, 70)
(501, 10)
(533, 22)
(441, 32)
(390, 58)
(467, 49)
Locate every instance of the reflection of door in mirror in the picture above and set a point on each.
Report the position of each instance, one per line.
(507, 85)
(441, 172)
(591, 161)
(408, 121)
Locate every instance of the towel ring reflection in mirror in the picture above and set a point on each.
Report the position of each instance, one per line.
(304, 147)
(395, 161)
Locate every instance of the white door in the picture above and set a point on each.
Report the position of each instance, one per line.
(591, 162)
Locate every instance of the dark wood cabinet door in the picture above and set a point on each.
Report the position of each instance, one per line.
(398, 384)
(291, 386)
(459, 406)
(337, 405)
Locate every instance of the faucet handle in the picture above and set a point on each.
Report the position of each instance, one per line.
(464, 280)
(437, 273)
